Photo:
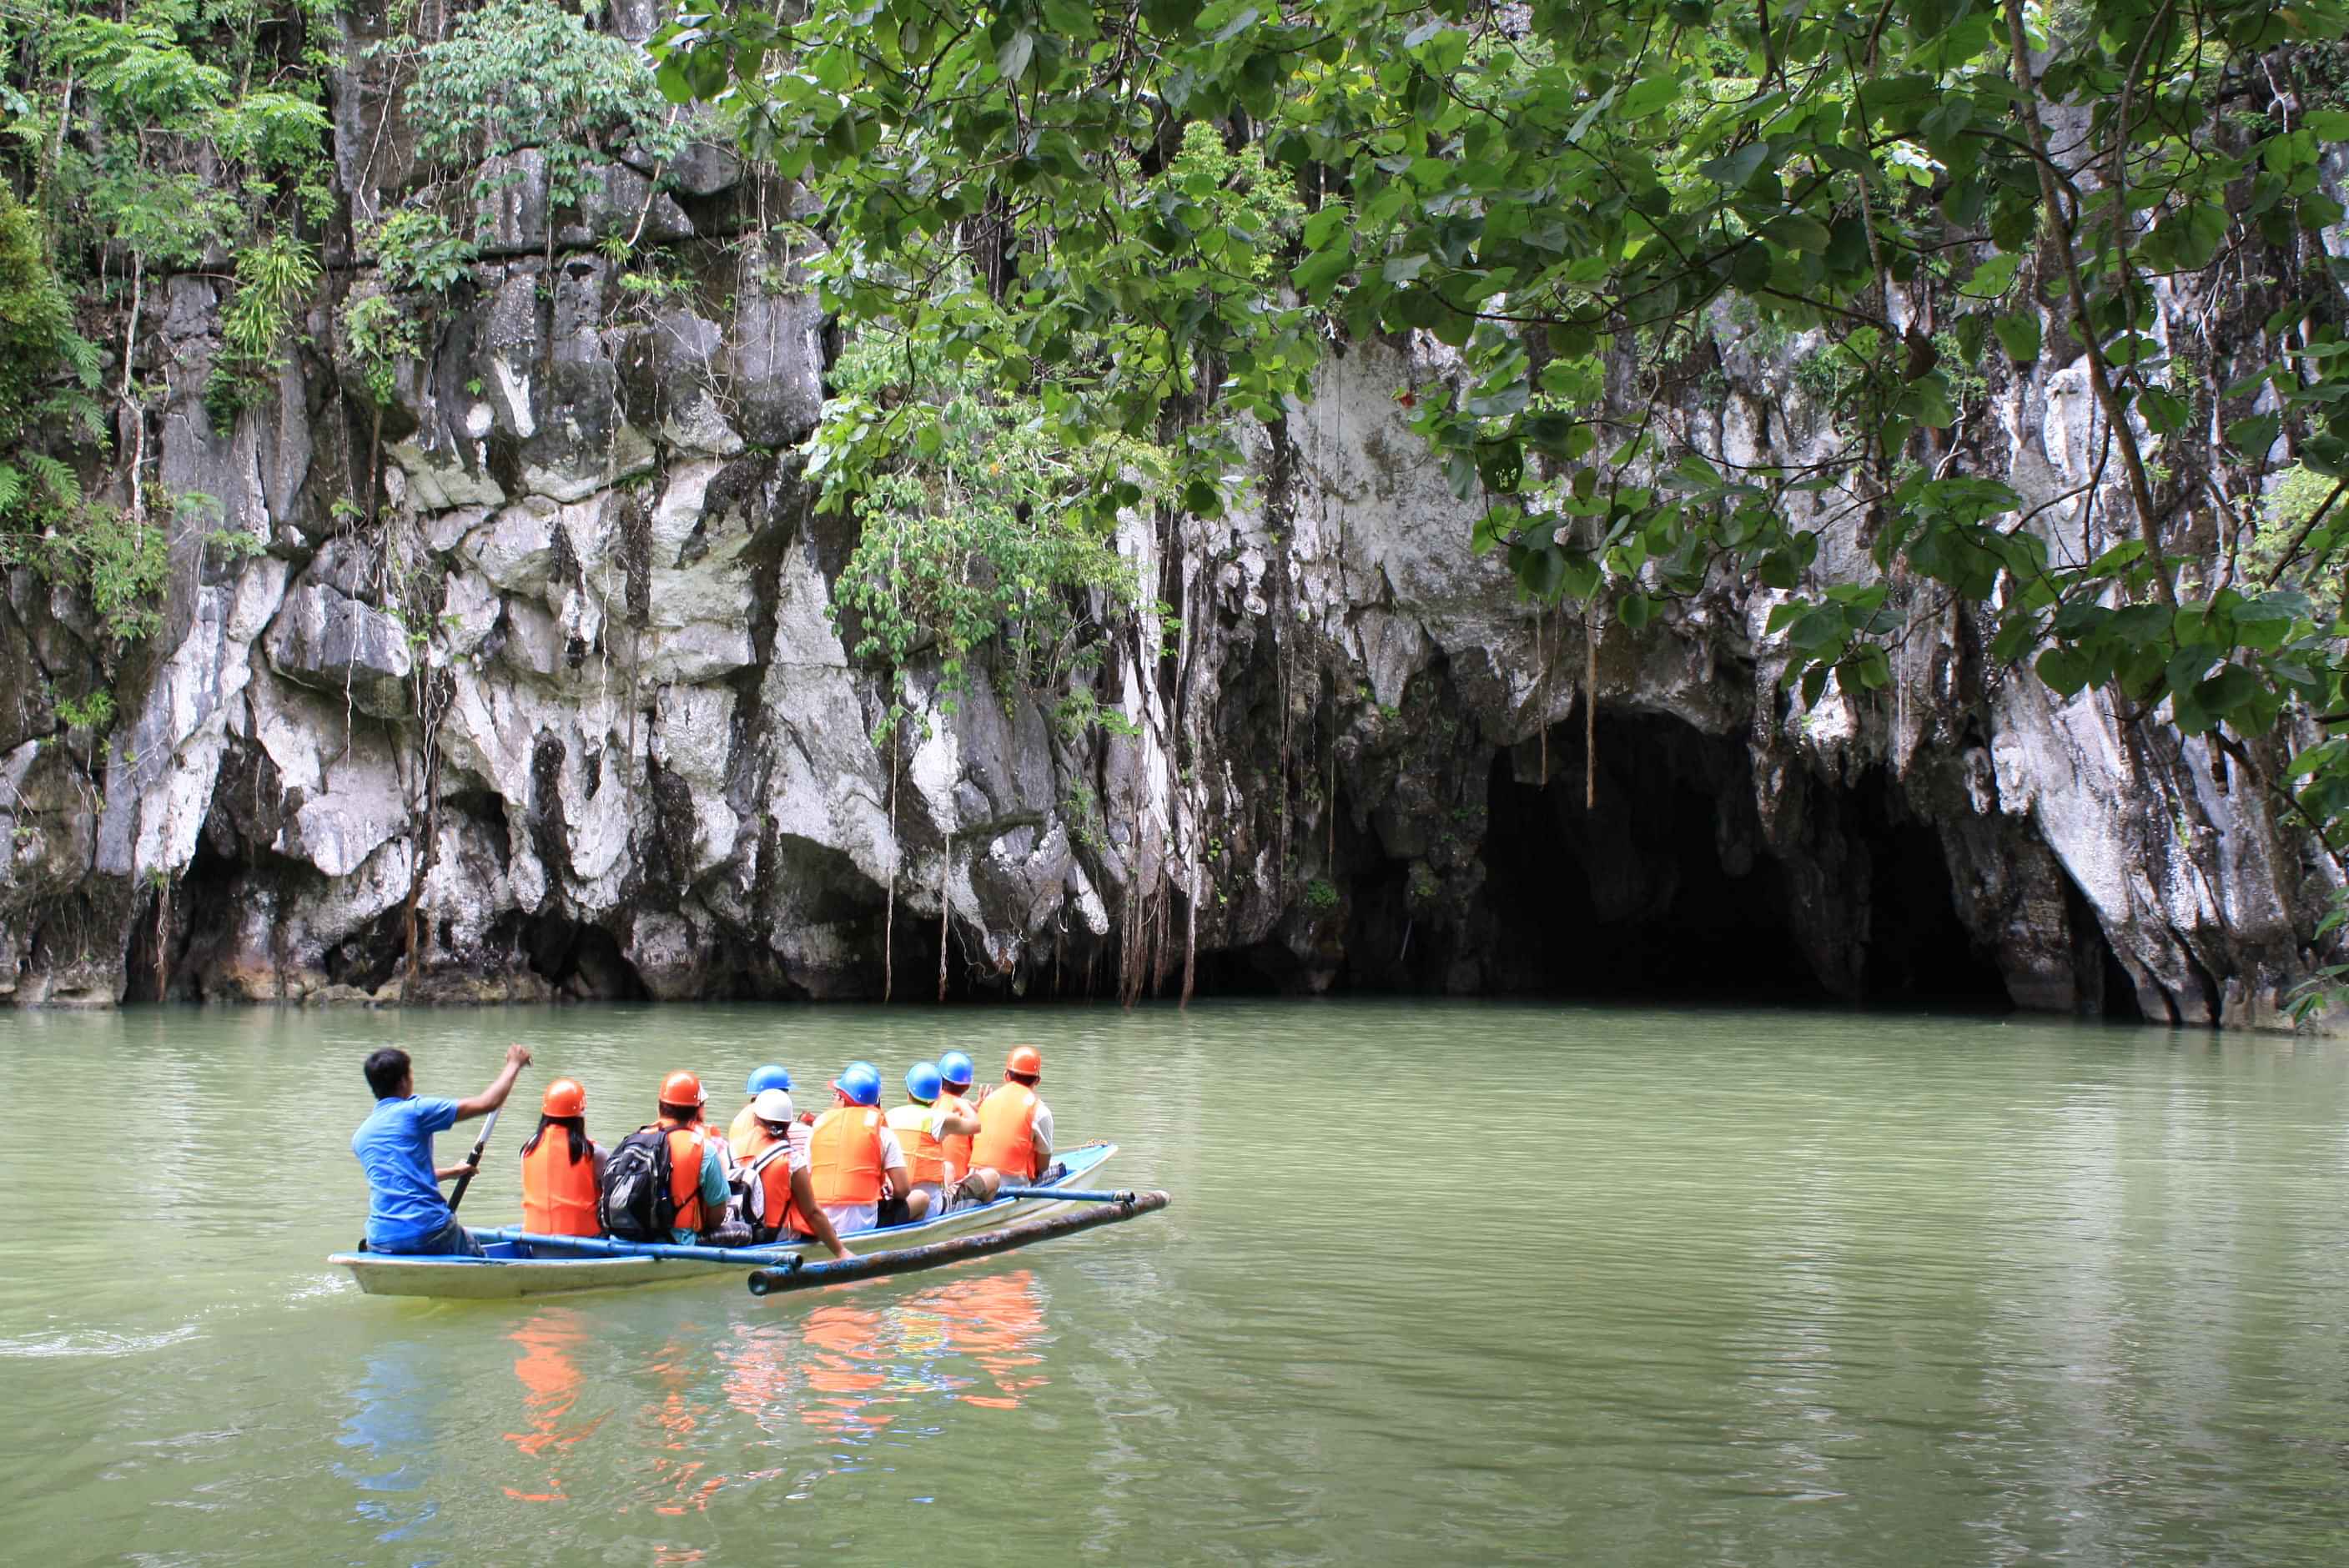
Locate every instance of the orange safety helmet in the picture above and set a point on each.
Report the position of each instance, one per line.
(564, 1097)
(1024, 1059)
(681, 1089)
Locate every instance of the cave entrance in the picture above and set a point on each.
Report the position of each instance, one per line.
(1918, 953)
(1659, 890)
(1663, 888)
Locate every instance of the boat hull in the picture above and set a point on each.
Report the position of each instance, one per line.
(517, 1268)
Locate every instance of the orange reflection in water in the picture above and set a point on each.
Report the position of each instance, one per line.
(994, 1320)
(844, 1342)
(678, 1418)
(550, 1381)
(862, 1360)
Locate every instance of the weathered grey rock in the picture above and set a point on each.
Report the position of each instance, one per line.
(513, 213)
(1362, 762)
(333, 643)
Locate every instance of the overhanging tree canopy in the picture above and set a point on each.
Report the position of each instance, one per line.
(1566, 194)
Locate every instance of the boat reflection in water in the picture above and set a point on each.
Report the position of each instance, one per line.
(969, 1340)
(393, 1429)
(790, 1393)
(550, 1381)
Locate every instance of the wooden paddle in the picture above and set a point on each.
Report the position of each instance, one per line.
(488, 1126)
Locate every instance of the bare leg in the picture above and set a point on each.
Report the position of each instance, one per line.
(980, 1185)
(917, 1204)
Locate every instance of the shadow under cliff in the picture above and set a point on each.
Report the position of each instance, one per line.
(1653, 877)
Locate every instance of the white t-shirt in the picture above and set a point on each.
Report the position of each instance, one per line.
(847, 1217)
(796, 1142)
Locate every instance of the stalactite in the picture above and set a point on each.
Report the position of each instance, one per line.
(1129, 944)
(1541, 688)
(946, 906)
(1162, 960)
(1590, 714)
(1191, 927)
(897, 853)
(164, 940)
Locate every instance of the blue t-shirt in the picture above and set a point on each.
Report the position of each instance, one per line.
(394, 1146)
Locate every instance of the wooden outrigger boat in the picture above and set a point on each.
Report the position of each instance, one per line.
(521, 1264)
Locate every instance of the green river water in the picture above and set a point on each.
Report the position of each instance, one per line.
(1441, 1284)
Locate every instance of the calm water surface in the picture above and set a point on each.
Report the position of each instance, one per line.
(1442, 1284)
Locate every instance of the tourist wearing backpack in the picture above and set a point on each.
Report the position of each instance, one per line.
(667, 1181)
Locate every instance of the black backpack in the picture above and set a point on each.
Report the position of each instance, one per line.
(637, 1204)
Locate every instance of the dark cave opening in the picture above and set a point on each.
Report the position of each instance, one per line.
(1260, 969)
(1663, 888)
(1656, 890)
(177, 925)
(582, 959)
(1919, 954)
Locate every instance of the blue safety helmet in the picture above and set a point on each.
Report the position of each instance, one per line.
(768, 1076)
(955, 1069)
(861, 1082)
(922, 1081)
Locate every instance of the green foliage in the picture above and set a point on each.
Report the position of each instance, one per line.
(121, 562)
(153, 137)
(187, 136)
(1245, 213)
(521, 74)
(1564, 196)
(1320, 894)
(417, 251)
(273, 278)
(381, 335)
(92, 711)
(418, 260)
(36, 325)
(971, 527)
(2287, 547)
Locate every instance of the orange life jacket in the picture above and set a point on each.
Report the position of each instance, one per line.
(924, 1156)
(777, 1214)
(844, 1155)
(1006, 1132)
(685, 1147)
(956, 1146)
(558, 1192)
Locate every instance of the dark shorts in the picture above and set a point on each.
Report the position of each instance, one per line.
(894, 1212)
(451, 1241)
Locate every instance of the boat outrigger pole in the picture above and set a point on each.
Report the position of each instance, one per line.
(1101, 1209)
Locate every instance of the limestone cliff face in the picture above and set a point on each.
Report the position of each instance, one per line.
(534, 676)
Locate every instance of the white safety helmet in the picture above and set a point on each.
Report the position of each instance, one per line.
(773, 1106)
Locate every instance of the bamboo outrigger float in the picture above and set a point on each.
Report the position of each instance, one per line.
(521, 1265)
(1113, 1207)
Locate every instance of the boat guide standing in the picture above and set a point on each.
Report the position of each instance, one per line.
(778, 1188)
(855, 1160)
(1015, 1125)
(561, 1168)
(406, 1212)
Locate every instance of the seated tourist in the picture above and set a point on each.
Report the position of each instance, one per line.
(930, 1133)
(778, 1191)
(1015, 1126)
(855, 1159)
(562, 1174)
